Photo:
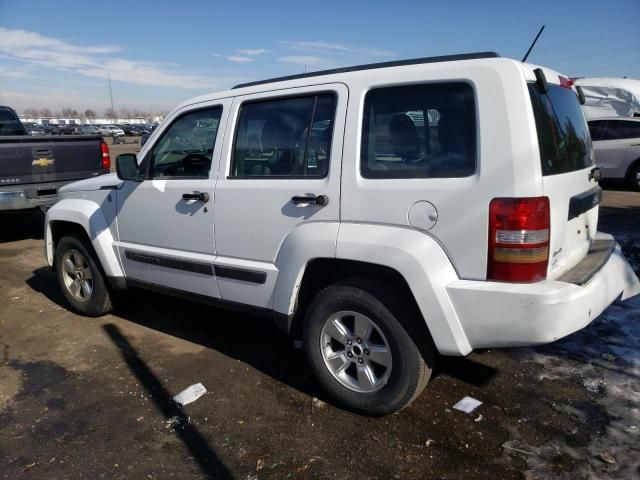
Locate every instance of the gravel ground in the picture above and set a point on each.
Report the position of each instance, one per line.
(91, 398)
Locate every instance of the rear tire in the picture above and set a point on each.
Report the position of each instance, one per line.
(80, 277)
(359, 348)
(634, 176)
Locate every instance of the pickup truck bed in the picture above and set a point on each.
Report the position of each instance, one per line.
(32, 169)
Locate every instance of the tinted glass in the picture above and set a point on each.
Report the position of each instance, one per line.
(9, 124)
(420, 131)
(596, 129)
(186, 148)
(288, 137)
(621, 129)
(563, 136)
(632, 129)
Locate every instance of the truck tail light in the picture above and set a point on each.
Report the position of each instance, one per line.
(519, 232)
(106, 159)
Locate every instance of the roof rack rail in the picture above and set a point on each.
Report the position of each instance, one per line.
(371, 66)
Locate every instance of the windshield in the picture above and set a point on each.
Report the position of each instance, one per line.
(9, 124)
(563, 136)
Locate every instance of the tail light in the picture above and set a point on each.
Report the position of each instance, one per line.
(519, 230)
(106, 159)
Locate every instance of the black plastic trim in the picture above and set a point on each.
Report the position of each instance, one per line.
(244, 275)
(584, 202)
(170, 262)
(207, 300)
(372, 66)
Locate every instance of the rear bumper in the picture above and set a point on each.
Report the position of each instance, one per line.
(494, 314)
(29, 196)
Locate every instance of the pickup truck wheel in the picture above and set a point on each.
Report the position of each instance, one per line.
(80, 278)
(359, 350)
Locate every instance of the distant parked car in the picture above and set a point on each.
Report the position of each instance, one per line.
(616, 142)
(110, 131)
(34, 129)
(68, 129)
(130, 130)
(89, 130)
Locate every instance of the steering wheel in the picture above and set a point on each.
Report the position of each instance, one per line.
(196, 164)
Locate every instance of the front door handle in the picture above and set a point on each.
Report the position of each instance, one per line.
(197, 196)
(321, 200)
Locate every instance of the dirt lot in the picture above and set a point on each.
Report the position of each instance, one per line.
(91, 398)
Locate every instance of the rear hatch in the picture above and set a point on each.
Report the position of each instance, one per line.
(567, 160)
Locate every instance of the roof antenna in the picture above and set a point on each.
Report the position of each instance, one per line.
(526, 55)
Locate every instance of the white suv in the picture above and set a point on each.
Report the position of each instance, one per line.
(383, 214)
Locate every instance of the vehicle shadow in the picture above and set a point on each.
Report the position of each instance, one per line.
(251, 339)
(209, 463)
(21, 226)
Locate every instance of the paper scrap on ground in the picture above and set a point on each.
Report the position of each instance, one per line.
(467, 404)
(190, 394)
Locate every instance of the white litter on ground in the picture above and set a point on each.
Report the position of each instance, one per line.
(190, 394)
(467, 404)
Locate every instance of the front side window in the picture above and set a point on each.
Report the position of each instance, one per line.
(287, 137)
(419, 131)
(186, 148)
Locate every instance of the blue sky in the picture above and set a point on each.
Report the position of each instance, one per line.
(56, 54)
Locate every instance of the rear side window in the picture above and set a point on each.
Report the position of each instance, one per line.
(563, 136)
(620, 130)
(419, 131)
(597, 129)
(286, 137)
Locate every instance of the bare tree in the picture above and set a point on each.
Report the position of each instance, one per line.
(45, 112)
(89, 114)
(110, 113)
(125, 113)
(31, 112)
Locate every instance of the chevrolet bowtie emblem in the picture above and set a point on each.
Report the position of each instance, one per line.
(42, 162)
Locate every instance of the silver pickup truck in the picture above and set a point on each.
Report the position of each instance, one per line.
(32, 169)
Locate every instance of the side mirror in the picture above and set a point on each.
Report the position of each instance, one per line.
(127, 166)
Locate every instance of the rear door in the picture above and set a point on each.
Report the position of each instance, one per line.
(566, 158)
(281, 169)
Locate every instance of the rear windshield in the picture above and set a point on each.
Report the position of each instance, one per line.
(563, 136)
(9, 124)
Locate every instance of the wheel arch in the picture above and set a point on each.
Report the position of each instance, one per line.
(409, 259)
(82, 217)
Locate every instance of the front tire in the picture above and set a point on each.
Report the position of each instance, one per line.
(359, 350)
(80, 277)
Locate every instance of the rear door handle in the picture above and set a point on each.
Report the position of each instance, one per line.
(321, 200)
(198, 196)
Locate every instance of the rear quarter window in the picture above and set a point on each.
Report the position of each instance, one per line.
(419, 131)
(563, 135)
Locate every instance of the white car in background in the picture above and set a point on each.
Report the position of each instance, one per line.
(616, 142)
(111, 131)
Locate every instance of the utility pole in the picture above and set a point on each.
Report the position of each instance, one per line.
(111, 94)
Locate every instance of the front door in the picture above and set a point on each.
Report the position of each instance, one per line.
(165, 220)
(281, 169)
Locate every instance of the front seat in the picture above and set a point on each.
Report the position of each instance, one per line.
(403, 137)
(276, 135)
